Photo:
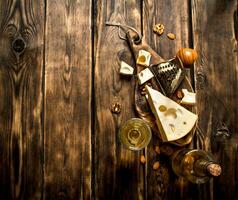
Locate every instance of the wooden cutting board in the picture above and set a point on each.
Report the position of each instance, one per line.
(141, 104)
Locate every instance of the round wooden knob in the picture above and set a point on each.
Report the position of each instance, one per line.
(187, 56)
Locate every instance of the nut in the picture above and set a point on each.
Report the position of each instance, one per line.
(179, 94)
(116, 108)
(187, 56)
(156, 165)
(142, 159)
(171, 36)
(158, 29)
(142, 91)
(157, 149)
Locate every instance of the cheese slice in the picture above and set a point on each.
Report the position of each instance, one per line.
(145, 75)
(173, 120)
(144, 58)
(189, 97)
(126, 69)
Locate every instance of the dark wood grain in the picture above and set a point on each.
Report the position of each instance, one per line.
(59, 76)
(215, 39)
(21, 61)
(175, 16)
(68, 100)
(119, 174)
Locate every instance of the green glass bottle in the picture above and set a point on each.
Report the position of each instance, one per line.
(197, 166)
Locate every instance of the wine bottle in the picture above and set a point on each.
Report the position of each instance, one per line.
(197, 166)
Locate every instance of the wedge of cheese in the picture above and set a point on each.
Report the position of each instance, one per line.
(144, 58)
(173, 120)
(189, 97)
(144, 76)
(126, 69)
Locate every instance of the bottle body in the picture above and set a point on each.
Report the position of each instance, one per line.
(195, 165)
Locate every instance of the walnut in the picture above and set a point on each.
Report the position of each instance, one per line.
(116, 108)
(158, 29)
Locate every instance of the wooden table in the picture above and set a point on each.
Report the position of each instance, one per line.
(59, 75)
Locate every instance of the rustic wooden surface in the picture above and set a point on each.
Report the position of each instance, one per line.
(215, 27)
(58, 137)
(117, 171)
(67, 130)
(21, 79)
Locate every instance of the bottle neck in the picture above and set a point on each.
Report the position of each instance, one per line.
(206, 168)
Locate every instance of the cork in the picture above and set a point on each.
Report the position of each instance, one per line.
(214, 169)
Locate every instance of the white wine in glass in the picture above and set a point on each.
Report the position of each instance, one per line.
(135, 134)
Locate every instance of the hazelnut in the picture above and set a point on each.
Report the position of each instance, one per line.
(171, 36)
(188, 56)
(179, 94)
(142, 159)
(157, 149)
(156, 165)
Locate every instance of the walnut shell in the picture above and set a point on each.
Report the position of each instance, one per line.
(158, 29)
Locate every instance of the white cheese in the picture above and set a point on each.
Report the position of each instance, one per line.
(126, 69)
(173, 120)
(143, 58)
(189, 97)
(145, 75)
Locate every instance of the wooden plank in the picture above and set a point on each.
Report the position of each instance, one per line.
(68, 100)
(175, 16)
(215, 39)
(119, 174)
(21, 61)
